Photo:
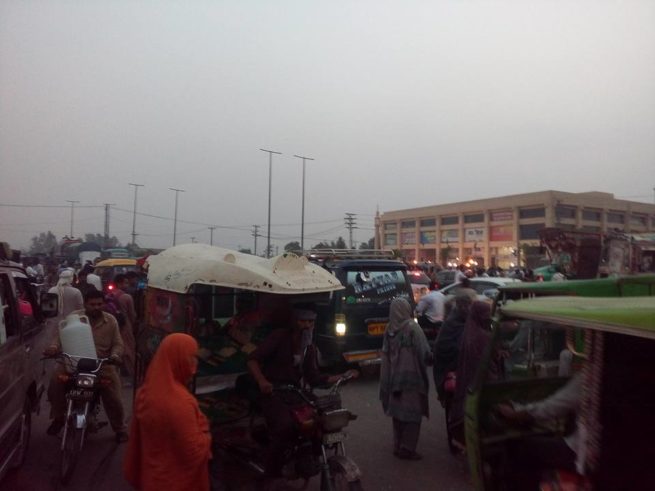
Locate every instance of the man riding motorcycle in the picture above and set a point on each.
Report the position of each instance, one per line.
(286, 357)
(109, 344)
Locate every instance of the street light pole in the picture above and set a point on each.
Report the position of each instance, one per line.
(302, 213)
(72, 202)
(136, 188)
(177, 191)
(211, 235)
(270, 180)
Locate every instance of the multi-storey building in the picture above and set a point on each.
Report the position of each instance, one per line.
(496, 230)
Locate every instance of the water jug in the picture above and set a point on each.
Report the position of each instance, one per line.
(76, 337)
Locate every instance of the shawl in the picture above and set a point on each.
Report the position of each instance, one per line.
(405, 353)
(474, 342)
(169, 445)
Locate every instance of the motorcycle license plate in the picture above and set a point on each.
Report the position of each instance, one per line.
(376, 328)
(80, 394)
(331, 438)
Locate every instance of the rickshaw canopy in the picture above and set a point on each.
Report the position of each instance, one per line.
(178, 268)
(624, 315)
(624, 285)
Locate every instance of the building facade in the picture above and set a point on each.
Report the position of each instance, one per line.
(497, 231)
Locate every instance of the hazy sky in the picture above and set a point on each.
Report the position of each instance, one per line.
(402, 104)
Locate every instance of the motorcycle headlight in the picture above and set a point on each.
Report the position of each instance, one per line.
(85, 381)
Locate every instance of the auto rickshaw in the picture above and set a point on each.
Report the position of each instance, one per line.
(532, 338)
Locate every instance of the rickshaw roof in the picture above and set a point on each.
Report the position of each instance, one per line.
(625, 315)
(591, 287)
(123, 261)
(178, 268)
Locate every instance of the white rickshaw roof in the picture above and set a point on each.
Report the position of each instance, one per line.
(178, 268)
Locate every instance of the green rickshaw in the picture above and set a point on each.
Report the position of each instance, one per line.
(614, 430)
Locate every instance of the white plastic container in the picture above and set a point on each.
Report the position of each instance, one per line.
(76, 337)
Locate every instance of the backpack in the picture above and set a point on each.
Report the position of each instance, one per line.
(112, 307)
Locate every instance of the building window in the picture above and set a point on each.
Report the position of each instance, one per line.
(615, 217)
(475, 218)
(391, 239)
(428, 222)
(502, 216)
(530, 232)
(640, 220)
(532, 212)
(408, 224)
(390, 226)
(565, 212)
(407, 238)
(590, 228)
(449, 220)
(591, 215)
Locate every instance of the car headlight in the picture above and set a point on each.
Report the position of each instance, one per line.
(340, 324)
(85, 381)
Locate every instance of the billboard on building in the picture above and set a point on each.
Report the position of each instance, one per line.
(502, 216)
(428, 237)
(408, 238)
(450, 235)
(501, 233)
(474, 234)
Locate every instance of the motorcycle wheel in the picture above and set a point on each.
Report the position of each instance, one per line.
(340, 483)
(70, 450)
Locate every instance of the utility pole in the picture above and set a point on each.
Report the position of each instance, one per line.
(302, 214)
(177, 192)
(255, 234)
(72, 202)
(107, 208)
(351, 223)
(211, 234)
(270, 177)
(193, 240)
(136, 188)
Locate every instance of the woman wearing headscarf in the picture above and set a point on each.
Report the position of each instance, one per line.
(474, 342)
(446, 348)
(169, 445)
(404, 378)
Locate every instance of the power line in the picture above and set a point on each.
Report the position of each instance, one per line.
(14, 205)
(351, 223)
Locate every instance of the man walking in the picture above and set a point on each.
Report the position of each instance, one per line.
(125, 303)
(430, 311)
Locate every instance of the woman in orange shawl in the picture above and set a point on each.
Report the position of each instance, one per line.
(169, 446)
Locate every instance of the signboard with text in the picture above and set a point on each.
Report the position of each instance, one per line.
(474, 234)
(501, 233)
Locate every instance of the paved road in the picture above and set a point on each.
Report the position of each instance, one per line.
(369, 445)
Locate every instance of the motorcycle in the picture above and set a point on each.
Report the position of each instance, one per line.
(319, 447)
(82, 385)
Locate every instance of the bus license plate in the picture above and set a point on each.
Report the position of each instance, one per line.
(332, 438)
(376, 328)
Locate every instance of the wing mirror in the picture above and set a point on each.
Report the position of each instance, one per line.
(49, 304)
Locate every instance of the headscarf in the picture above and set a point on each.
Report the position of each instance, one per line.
(169, 446)
(66, 277)
(405, 352)
(474, 342)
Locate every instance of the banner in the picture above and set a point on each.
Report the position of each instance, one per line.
(502, 216)
(450, 235)
(474, 234)
(428, 237)
(501, 233)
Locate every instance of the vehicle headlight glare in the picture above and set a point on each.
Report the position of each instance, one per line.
(340, 328)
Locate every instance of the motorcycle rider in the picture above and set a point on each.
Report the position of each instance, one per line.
(286, 357)
(109, 344)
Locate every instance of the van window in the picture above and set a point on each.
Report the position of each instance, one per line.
(373, 287)
(7, 317)
(533, 349)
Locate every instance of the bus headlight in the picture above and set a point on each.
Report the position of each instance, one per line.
(340, 324)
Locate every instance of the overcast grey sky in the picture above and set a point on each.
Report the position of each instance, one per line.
(402, 104)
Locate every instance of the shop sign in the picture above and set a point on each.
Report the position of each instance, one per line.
(428, 237)
(474, 234)
(501, 216)
(501, 233)
(450, 235)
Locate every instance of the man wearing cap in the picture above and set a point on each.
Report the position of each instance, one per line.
(286, 357)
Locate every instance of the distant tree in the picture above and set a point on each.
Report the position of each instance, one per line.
(100, 240)
(44, 243)
(339, 244)
(292, 246)
(370, 244)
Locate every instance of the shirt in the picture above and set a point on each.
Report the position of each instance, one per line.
(459, 276)
(432, 306)
(106, 336)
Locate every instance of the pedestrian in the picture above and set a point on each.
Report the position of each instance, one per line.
(82, 283)
(70, 298)
(170, 444)
(404, 379)
(460, 273)
(430, 311)
(474, 342)
(126, 305)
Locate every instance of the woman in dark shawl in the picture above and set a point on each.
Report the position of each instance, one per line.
(474, 342)
(446, 348)
(404, 378)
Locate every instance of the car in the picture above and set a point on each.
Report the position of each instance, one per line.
(486, 288)
(109, 268)
(24, 335)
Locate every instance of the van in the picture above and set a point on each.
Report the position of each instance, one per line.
(351, 323)
(23, 337)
